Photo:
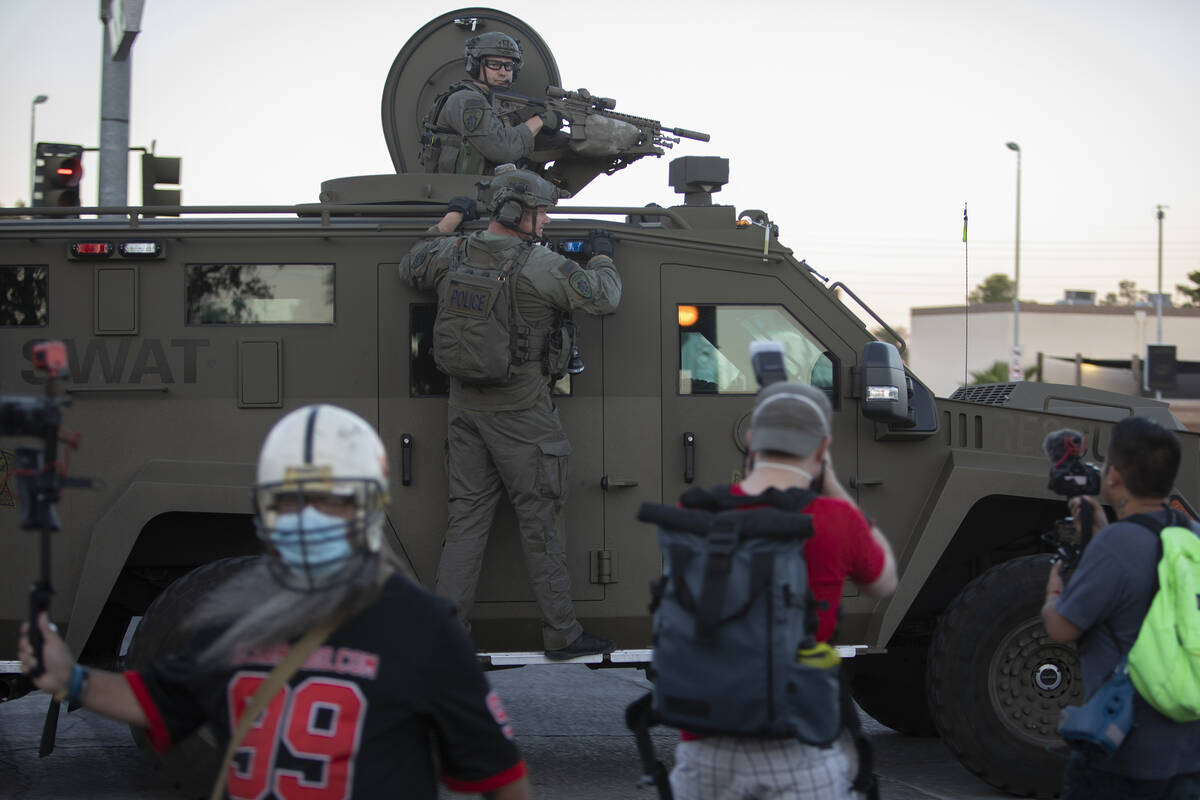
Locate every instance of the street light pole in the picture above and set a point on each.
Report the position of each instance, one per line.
(1017, 274)
(41, 98)
(1160, 292)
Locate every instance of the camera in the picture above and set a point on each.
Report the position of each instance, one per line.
(1070, 475)
(22, 415)
(767, 359)
(28, 416)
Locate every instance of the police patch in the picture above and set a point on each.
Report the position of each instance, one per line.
(472, 117)
(419, 257)
(580, 283)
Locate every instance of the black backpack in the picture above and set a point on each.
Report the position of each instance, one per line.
(735, 623)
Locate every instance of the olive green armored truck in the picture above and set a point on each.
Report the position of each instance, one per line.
(190, 331)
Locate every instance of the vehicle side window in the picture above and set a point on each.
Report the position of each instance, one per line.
(23, 296)
(259, 294)
(714, 349)
(425, 380)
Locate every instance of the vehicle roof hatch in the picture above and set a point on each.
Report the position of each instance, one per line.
(432, 59)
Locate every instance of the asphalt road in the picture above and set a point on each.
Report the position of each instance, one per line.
(569, 722)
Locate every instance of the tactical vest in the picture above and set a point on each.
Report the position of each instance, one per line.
(443, 149)
(479, 333)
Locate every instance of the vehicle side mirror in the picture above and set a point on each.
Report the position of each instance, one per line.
(883, 387)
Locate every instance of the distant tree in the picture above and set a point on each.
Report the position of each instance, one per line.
(1127, 294)
(998, 373)
(995, 288)
(1192, 293)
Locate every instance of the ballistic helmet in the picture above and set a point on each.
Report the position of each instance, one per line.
(320, 496)
(514, 190)
(495, 45)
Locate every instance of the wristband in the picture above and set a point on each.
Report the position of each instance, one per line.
(76, 687)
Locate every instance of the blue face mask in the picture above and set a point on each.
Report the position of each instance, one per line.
(312, 543)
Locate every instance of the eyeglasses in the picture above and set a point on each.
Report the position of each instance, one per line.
(499, 65)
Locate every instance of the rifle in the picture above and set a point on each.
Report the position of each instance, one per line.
(39, 482)
(598, 139)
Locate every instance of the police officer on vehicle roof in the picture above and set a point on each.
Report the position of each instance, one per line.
(503, 431)
(356, 643)
(461, 134)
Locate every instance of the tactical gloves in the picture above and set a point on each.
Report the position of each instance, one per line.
(465, 206)
(551, 121)
(599, 243)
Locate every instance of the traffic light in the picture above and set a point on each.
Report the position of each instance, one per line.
(56, 178)
(1162, 368)
(164, 170)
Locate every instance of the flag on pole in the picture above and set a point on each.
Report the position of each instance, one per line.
(964, 222)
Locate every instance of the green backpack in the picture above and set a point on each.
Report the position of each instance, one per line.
(1165, 660)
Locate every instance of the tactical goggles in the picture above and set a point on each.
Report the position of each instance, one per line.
(499, 65)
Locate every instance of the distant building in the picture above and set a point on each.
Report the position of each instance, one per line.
(946, 344)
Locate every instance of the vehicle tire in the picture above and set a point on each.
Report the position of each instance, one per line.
(997, 681)
(891, 689)
(190, 765)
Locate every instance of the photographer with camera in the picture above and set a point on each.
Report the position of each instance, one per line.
(791, 468)
(1102, 607)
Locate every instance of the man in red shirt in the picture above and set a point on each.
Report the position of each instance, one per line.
(789, 441)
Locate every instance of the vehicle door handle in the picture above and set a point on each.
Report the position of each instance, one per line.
(689, 456)
(856, 482)
(406, 445)
(607, 483)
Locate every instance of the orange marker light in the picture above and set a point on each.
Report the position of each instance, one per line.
(688, 316)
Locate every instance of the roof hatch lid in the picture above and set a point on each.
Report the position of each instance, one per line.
(432, 59)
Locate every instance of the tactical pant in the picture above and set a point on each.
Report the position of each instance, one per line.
(524, 453)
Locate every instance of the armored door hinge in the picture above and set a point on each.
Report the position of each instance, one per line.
(602, 566)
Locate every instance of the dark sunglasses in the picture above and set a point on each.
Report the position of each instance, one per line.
(499, 65)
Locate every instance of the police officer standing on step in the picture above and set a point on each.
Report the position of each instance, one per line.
(506, 435)
(461, 134)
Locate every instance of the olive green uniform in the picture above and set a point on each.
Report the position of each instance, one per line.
(508, 437)
(472, 140)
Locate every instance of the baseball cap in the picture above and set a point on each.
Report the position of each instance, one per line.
(791, 418)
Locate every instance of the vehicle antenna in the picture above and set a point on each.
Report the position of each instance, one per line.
(966, 297)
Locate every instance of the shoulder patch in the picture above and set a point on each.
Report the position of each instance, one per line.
(471, 118)
(578, 281)
(418, 258)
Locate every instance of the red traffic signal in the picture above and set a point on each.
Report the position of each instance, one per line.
(59, 171)
(69, 171)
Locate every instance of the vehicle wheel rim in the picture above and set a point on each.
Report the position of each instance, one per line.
(1030, 680)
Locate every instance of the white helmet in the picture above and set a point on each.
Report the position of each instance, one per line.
(321, 496)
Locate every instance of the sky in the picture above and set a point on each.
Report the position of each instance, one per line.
(861, 127)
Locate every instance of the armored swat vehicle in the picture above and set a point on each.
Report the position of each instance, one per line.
(188, 336)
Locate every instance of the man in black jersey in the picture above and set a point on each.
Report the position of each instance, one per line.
(391, 701)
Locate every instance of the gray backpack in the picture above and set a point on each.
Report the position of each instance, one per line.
(733, 618)
(477, 318)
